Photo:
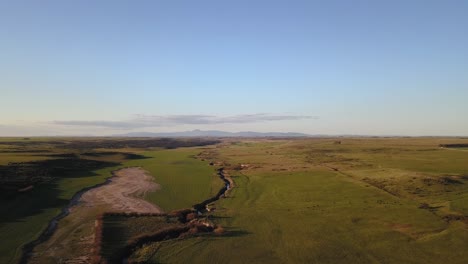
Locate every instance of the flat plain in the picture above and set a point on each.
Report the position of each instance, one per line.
(307, 200)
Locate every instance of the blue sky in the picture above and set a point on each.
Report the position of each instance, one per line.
(319, 67)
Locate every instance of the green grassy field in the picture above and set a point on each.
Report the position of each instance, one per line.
(366, 200)
(184, 180)
(290, 207)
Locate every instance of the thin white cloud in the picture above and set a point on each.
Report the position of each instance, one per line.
(142, 121)
(110, 124)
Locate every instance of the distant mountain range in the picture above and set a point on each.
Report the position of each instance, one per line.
(212, 133)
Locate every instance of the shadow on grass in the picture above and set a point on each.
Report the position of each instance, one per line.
(214, 217)
(18, 207)
(43, 177)
(235, 233)
(127, 156)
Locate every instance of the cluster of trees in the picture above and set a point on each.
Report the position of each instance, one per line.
(459, 145)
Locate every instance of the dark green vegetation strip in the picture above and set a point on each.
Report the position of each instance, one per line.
(110, 143)
(454, 145)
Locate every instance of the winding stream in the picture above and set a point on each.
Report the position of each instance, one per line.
(28, 248)
(52, 226)
(201, 207)
(176, 232)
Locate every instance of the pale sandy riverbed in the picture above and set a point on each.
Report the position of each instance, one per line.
(124, 192)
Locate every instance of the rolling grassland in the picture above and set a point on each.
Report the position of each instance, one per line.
(317, 201)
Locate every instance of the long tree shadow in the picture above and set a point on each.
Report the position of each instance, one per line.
(127, 156)
(214, 217)
(236, 233)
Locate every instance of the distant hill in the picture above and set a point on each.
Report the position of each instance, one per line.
(212, 133)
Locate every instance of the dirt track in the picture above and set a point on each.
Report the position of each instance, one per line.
(123, 192)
